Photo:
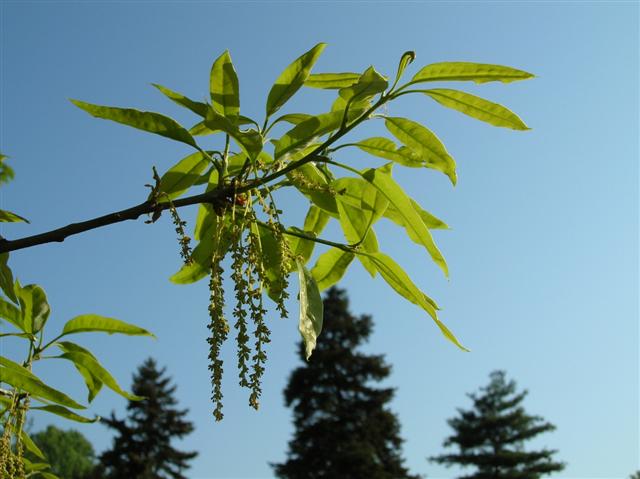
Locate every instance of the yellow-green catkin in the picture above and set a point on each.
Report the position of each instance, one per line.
(218, 326)
(256, 276)
(273, 219)
(241, 288)
(183, 240)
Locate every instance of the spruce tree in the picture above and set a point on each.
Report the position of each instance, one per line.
(343, 426)
(491, 436)
(142, 448)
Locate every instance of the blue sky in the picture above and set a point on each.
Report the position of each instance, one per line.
(543, 249)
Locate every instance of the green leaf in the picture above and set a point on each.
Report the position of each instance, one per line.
(430, 221)
(181, 176)
(197, 107)
(292, 78)
(385, 148)
(31, 446)
(6, 278)
(12, 314)
(143, 120)
(360, 205)
(311, 309)
(331, 267)
(300, 247)
(293, 118)
(465, 71)
(201, 256)
(314, 223)
(9, 217)
(6, 172)
(65, 413)
(94, 323)
(25, 380)
(394, 275)
(34, 306)
(33, 467)
(271, 261)
(94, 385)
(48, 475)
(332, 81)
(250, 141)
(91, 364)
(369, 84)
(311, 182)
(308, 132)
(382, 180)
(224, 86)
(477, 108)
(316, 220)
(405, 60)
(421, 140)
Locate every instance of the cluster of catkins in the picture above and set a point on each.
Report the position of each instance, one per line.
(237, 235)
(11, 445)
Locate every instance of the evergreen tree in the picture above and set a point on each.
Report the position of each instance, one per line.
(142, 448)
(343, 428)
(69, 453)
(491, 436)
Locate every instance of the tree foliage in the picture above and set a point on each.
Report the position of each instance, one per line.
(343, 425)
(142, 447)
(239, 222)
(491, 436)
(69, 453)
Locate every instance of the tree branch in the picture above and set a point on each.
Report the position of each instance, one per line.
(133, 213)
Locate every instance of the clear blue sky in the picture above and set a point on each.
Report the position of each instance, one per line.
(543, 249)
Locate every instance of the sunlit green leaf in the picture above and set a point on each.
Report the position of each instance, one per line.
(292, 78)
(9, 217)
(181, 176)
(94, 323)
(382, 180)
(293, 118)
(385, 148)
(31, 446)
(91, 364)
(316, 220)
(94, 385)
(307, 132)
(271, 261)
(311, 309)
(65, 413)
(21, 378)
(405, 60)
(250, 140)
(477, 107)
(301, 248)
(369, 84)
(143, 120)
(197, 107)
(466, 71)
(422, 140)
(6, 172)
(6, 278)
(12, 314)
(430, 221)
(331, 267)
(311, 182)
(201, 256)
(224, 86)
(395, 276)
(332, 81)
(33, 467)
(34, 307)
